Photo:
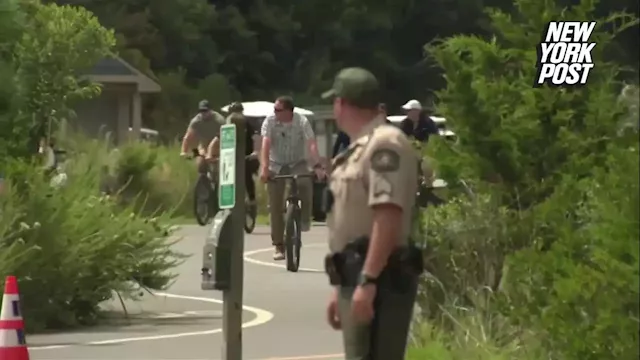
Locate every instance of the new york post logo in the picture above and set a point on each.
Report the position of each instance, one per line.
(564, 56)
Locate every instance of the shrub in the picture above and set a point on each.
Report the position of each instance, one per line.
(465, 244)
(71, 248)
(583, 292)
(563, 183)
(153, 178)
(133, 167)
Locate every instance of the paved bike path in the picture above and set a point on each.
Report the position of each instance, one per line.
(286, 317)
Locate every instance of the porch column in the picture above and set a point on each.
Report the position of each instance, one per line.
(124, 116)
(136, 115)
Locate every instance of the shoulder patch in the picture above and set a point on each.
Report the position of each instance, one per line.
(385, 160)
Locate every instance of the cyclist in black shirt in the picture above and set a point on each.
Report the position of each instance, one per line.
(251, 163)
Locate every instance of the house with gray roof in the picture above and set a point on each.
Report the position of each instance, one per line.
(118, 109)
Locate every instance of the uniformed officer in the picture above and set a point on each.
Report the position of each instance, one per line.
(373, 186)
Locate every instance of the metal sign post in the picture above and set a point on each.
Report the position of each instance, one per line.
(231, 196)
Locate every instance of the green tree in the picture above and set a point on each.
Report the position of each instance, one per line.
(10, 29)
(516, 137)
(58, 45)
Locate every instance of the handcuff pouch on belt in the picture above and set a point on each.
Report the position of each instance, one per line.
(404, 265)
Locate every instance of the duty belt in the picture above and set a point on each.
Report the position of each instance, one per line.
(344, 268)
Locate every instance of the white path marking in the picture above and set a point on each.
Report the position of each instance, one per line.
(261, 317)
(168, 316)
(249, 259)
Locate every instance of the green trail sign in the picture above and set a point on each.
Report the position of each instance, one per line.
(227, 170)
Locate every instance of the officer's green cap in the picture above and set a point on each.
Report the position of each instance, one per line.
(357, 86)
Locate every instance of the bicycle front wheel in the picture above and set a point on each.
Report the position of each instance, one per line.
(292, 237)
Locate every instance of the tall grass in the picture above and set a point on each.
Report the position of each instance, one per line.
(476, 334)
(152, 178)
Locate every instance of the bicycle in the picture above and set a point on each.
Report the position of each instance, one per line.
(292, 220)
(251, 210)
(205, 193)
(206, 198)
(250, 218)
(425, 195)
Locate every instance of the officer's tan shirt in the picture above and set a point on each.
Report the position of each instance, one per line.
(379, 167)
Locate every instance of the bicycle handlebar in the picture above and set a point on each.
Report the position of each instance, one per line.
(195, 153)
(293, 177)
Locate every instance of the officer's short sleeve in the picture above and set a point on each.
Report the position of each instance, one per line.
(267, 126)
(392, 169)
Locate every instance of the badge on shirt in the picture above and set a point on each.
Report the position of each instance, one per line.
(385, 160)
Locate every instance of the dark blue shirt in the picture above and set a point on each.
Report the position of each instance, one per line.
(342, 142)
(426, 127)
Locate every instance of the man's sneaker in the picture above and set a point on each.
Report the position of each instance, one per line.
(278, 254)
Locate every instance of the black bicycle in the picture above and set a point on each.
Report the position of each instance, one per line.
(205, 192)
(251, 210)
(250, 218)
(292, 220)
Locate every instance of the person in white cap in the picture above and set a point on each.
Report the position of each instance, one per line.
(418, 124)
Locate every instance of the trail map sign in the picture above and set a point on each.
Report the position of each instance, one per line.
(227, 170)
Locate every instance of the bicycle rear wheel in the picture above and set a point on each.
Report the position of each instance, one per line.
(292, 237)
(202, 197)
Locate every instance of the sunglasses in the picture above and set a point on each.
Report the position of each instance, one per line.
(278, 110)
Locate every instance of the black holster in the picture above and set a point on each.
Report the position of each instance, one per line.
(403, 266)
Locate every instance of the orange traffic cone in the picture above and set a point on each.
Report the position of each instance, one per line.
(13, 345)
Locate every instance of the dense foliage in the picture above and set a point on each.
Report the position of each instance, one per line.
(546, 256)
(71, 248)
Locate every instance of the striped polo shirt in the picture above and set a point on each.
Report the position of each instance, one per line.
(288, 140)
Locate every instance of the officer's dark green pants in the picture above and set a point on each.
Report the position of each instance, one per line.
(386, 337)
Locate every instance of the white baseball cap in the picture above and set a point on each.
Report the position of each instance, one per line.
(412, 105)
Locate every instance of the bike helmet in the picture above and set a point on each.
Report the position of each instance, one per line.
(236, 107)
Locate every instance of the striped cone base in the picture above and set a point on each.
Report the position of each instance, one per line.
(13, 344)
(18, 353)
